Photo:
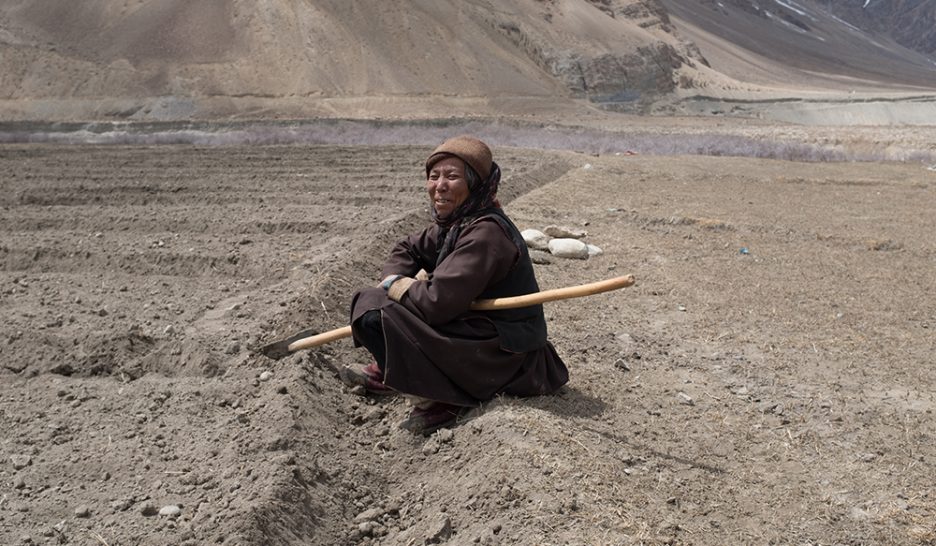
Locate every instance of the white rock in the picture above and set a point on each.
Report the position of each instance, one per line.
(568, 248)
(562, 232)
(535, 238)
(170, 511)
(594, 250)
(266, 376)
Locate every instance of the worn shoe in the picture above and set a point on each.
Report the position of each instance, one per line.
(369, 377)
(427, 420)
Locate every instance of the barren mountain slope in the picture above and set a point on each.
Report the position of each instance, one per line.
(798, 44)
(792, 44)
(275, 49)
(912, 23)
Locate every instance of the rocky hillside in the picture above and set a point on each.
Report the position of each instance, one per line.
(219, 55)
(222, 59)
(812, 43)
(912, 23)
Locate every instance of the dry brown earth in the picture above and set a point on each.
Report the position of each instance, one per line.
(783, 394)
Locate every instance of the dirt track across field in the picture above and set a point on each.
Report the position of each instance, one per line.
(768, 380)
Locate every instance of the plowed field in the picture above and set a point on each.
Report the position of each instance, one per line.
(769, 379)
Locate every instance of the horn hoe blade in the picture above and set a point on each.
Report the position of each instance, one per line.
(280, 349)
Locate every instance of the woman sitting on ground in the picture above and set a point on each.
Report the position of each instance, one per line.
(426, 341)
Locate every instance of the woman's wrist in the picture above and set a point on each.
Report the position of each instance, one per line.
(399, 287)
(388, 281)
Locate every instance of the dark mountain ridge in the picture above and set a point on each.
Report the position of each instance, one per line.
(911, 23)
(817, 37)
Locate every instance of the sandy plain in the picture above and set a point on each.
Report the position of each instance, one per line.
(768, 380)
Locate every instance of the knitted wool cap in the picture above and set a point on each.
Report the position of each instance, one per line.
(469, 149)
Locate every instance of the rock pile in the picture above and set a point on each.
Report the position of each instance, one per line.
(561, 242)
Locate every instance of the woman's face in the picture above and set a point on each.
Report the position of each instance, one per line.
(447, 185)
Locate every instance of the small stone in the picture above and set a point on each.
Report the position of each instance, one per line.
(148, 509)
(374, 414)
(371, 514)
(232, 348)
(766, 407)
(102, 312)
(561, 232)
(121, 505)
(535, 238)
(170, 511)
(685, 399)
(540, 257)
(445, 435)
(431, 447)
(621, 364)
(169, 330)
(82, 511)
(366, 528)
(19, 482)
(568, 248)
(20, 461)
(266, 375)
(440, 530)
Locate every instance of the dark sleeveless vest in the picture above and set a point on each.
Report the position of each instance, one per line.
(523, 329)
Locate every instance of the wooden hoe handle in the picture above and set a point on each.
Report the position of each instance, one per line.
(490, 305)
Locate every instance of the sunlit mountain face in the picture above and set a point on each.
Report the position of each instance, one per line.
(869, 41)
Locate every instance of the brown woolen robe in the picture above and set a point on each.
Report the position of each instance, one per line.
(438, 349)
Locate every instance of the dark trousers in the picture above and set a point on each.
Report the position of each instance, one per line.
(368, 330)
